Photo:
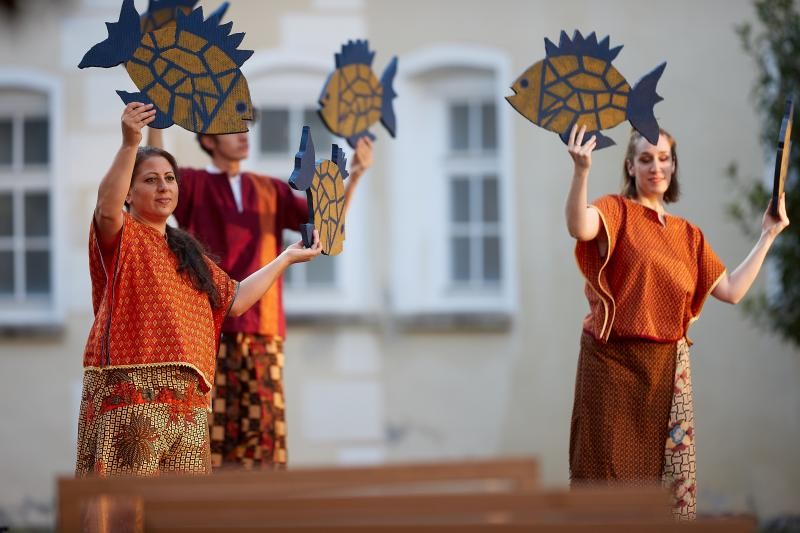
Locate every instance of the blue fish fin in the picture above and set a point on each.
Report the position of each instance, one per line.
(353, 53)
(338, 157)
(123, 39)
(602, 140)
(354, 139)
(162, 120)
(641, 100)
(387, 109)
(304, 163)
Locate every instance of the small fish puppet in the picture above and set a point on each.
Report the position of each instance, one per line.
(323, 182)
(353, 99)
(577, 84)
(189, 70)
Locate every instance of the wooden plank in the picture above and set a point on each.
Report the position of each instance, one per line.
(490, 475)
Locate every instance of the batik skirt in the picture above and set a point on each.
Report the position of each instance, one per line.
(633, 420)
(143, 421)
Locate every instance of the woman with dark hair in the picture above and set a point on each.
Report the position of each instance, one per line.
(648, 274)
(159, 303)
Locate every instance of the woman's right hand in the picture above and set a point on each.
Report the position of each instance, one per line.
(581, 153)
(136, 116)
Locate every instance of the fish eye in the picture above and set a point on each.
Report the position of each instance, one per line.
(523, 83)
(241, 107)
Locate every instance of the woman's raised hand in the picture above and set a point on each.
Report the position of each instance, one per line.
(297, 253)
(136, 116)
(581, 153)
(771, 225)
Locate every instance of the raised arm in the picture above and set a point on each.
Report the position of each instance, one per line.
(115, 184)
(155, 138)
(258, 283)
(732, 287)
(583, 222)
(362, 160)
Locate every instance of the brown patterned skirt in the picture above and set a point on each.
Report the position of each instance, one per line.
(142, 421)
(248, 427)
(632, 419)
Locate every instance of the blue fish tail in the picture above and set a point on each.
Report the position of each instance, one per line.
(602, 140)
(304, 163)
(387, 109)
(338, 157)
(354, 139)
(641, 100)
(123, 39)
(162, 120)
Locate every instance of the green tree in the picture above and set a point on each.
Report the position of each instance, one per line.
(774, 44)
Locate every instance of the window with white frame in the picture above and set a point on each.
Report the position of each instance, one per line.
(26, 273)
(453, 257)
(279, 129)
(473, 189)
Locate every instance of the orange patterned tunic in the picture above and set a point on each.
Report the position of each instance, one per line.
(653, 280)
(146, 313)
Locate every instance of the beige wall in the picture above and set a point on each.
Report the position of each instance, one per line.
(397, 394)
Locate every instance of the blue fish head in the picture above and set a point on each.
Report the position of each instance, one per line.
(123, 39)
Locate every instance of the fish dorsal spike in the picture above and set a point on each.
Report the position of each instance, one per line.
(338, 157)
(354, 53)
(226, 28)
(612, 54)
(218, 34)
(582, 46)
(235, 39)
(563, 39)
(550, 48)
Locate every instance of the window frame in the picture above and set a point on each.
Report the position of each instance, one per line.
(36, 313)
(420, 288)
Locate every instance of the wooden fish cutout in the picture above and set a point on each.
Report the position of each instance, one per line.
(190, 70)
(782, 156)
(353, 99)
(577, 84)
(323, 182)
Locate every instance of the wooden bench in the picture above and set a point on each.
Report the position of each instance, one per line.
(470, 497)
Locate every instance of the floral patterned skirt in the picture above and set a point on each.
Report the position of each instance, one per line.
(142, 421)
(633, 420)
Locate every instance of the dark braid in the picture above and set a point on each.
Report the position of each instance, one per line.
(188, 250)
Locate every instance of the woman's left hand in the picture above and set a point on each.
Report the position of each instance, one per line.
(297, 253)
(770, 225)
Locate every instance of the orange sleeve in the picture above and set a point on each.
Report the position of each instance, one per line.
(590, 262)
(102, 263)
(710, 269)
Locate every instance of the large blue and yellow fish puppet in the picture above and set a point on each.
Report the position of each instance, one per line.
(353, 99)
(323, 182)
(577, 84)
(190, 70)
